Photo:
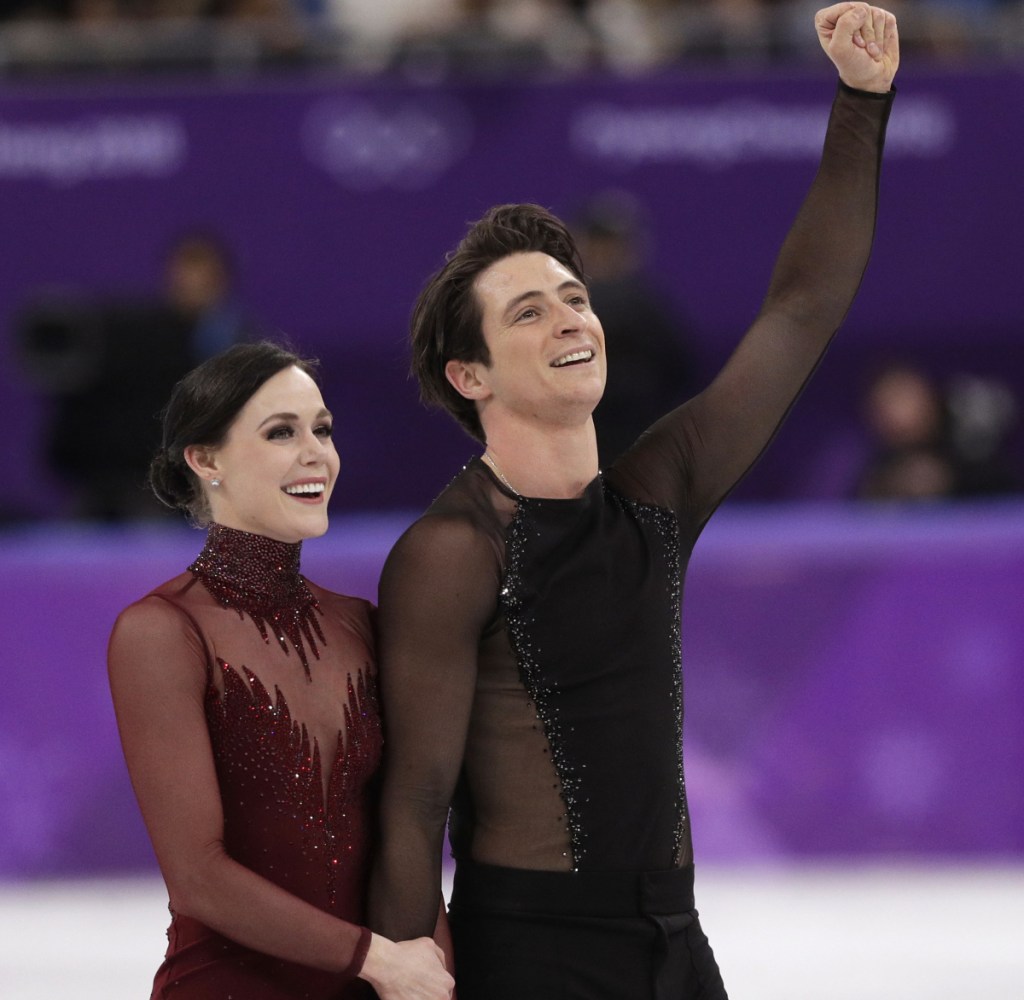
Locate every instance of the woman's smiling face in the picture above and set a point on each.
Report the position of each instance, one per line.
(278, 464)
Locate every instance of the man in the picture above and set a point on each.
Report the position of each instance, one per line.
(111, 365)
(652, 344)
(529, 622)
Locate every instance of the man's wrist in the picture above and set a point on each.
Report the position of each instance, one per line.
(876, 94)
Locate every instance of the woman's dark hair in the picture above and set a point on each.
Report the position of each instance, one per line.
(203, 406)
(446, 320)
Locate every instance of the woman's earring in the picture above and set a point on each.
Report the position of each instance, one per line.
(215, 483)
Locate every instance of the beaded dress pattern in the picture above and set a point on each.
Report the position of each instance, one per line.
(280, 817)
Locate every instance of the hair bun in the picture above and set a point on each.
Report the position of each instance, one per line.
(171, 481)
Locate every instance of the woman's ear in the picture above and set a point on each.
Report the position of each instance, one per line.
(202, 460)
(465, 378)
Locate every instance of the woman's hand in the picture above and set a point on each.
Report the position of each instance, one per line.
(407, 970)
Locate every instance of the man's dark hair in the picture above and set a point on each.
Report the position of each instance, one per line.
(446, 320)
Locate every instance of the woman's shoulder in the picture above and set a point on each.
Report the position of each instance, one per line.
(163, 603)
(172, 611)
(156, 630)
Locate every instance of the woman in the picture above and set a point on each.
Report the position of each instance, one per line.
(246, 702)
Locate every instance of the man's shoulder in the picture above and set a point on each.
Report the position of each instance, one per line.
(447, 526)
(468, 497)
(461, 522)
(443, 551)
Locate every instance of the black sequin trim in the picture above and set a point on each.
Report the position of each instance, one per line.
(667, 527)
(527, 654)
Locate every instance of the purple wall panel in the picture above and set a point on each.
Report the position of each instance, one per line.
(339, 197)
(855, 676)
(853, 683)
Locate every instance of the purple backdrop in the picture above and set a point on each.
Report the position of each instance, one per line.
(339, 197)
(853, 683)
(853, 677)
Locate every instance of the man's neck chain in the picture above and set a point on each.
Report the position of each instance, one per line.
(489, 459)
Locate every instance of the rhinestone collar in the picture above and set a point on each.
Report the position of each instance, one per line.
(260, 577)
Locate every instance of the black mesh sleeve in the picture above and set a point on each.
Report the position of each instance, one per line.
(691, 458)
(438, 590)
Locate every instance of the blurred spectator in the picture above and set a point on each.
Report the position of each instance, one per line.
(84, 11)
(930, 444)
(983, 416)
(435, 37)
(652, 366)
(905, 416)
(744, 31)
(275, 26)
(110, 366)
(633, 35)
(29, 10)
(141, 35)
(199, 286)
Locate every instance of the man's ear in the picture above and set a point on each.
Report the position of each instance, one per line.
(202, 460)
(465, 377)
